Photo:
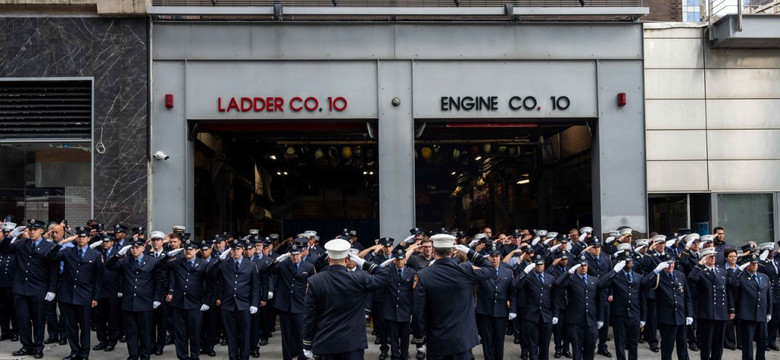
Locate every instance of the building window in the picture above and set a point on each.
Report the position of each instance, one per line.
(746, 217)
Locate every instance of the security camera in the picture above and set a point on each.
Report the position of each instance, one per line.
(161, 156)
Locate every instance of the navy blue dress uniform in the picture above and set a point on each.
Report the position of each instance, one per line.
(34, 277)
(142, 289)
(268, 312)
(674, 308)
(8, 326)
(560, 297)
(599, 266)
(583, 312)
(189, 297)
(377, 303)
(649, 262)
(398, 306)
(628, 307)
(753, 307)
(771, 267)
(540, 309)
(444, 304)
(714, 301)
(334, 326)
(81, 284)
(160, 333)
(107, 313)
(239, 296)
(289, 298)
(257, 331)
(518, 324)
(212, 322)
(495, 301)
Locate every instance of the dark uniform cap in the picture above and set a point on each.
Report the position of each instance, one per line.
(35, 224)
(752, 258)
(258, 240)
(416, 231)
(248, 244)
(136, 241)
(82, 231)
(235, 244)
(227, 234)
(191, 244)
(400, 254)
(205, 245)
(562, 237)
(119, 228)
(665, 257)
(539, 260)
(583, 261)
(560, 255)
(301, 241)
(273, 236)
(218, 238)
(353, 233)
(747, 247)
(387, 241)
(595, 242)
(295, 249)
(517, 233)
(185, 236)
(528, 249)
(625, 257)
(461, 234)
(494, 250)
(108, 237)
(138, 230)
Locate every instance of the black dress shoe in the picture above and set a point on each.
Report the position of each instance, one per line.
(224, 342)
(159, 351)
(516, 341)
(605, 353)
(420, 356)
(383, 355)
(123, 339)
(212, 353)
(524, 355)
(109, 348)
(100, 346)
(71, 357)
(15, 338)
(63, 341)
(773, 347)
(693, 347)
(557, 355)
(22, 352)
(6, 337)
(654, 349)
(169, 340)
(731, 347)
(566, 354)
(255, 353)
(263, 342)
(38, 355)
(641, 341)
(51, 340)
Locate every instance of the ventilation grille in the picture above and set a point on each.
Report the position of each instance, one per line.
(45, 109)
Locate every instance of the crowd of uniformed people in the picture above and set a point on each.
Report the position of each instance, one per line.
(440, 293)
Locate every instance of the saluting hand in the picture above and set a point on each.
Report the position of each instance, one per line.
(574, 268)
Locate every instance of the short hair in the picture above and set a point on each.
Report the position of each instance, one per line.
(92, 222)
(729, 251)
(426, 240)
(718, 228)
(175, 236)
(442, 252)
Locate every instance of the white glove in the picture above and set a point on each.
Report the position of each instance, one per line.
(308, 354)
(582, 237)
(535, 241)
(599, 324)
(409, 239)
(512, 316)
(270, 295)
(223, 255)
(662, 265)
(462, 248)
(422, 349)
(743, 266)
(688, 320)
(638, 248)
(615, 255)
(18, 231)
(386, 262)
(574, 268)
(642, 323)
(123, 250)
(253, 310)
(95, 244)
(357, 260)
(547, 241)
(174, 252)
(282, 257)
(769, 318)
(474, 243)
(619, 266)
(670, 243)
(49, 296)
(155, 304)
(609, 239)
(552, 248)
(119, 294)
(204, 307)
(764, 255)
(529, 268)
(555, 320)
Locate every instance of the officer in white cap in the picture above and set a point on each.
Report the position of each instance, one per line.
(714, 302)
(332, 328)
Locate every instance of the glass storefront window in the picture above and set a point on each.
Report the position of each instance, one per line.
(47, 181)
(746, 217)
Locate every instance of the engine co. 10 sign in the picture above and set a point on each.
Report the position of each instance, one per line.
(491, 103)
(279, 104)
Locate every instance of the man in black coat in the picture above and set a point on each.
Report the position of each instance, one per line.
(753, 306)
(628, 313)
(10, 329)
(495, 305)
(714, 301)
(599, 265)
(583, 313)
(239, 295)
(443, 301)
(541, 311)
(560, 297)
(79, 290)
(257, 336)
(211, 324)
(35, 282)
(142, 289)
(771, 267)
(674, 307)
(398, 303)
(334, 328)
(108, 310)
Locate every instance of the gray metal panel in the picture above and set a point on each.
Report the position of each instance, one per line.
(397, 41)
(170, 184)
(674, 83)
(742, 58)
(743, 83)
(743, 114)
(209, 81)
(504, 80)
(744, 175)
(622, 197)
(676, 176)
(676, 145)
(758, 31)
(396, 147)
(744, 145)
(675, 114)
(674, 53)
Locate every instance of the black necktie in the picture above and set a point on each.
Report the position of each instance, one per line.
(237, 264)
(32, 249)
(630, 277)
(192, 265)
(81, 254)
(400, 274)
(541, 278)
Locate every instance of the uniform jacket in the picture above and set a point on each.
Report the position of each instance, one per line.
(333, 321)
(262, 264)
(187, 285)
(714, 298)
(82, 279)
(418, 262)
(112, 281)
(673, 297)
(290, 290)
(380, 294)
(628, 298)
(560, 296)
(444, 304)
(494, 292)
(398, 297)
(538, 297)
(772, 270)
(35, 276)
(583, 309)
(238, 290)
(7, 269)
(752, 301)
(141, 285)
